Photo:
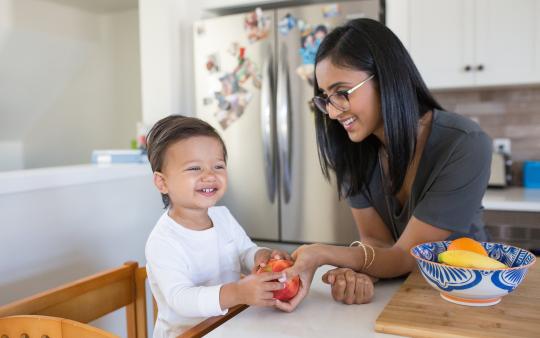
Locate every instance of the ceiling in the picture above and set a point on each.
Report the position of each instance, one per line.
(99, 6)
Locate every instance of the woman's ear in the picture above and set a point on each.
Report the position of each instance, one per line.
(160, 183)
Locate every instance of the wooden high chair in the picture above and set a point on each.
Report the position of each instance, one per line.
(48, 327)
(92, 297)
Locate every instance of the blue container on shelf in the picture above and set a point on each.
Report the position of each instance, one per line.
(531, 174)
(110, 156)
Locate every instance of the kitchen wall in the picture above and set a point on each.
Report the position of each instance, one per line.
(70, 82)
(11, 153)
(166, 35)
(512, 112)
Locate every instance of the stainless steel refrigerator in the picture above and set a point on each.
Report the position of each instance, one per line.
(254, 75)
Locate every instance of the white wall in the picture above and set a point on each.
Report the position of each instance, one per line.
(43, 45)
(5, 13)
(11, 155)
(70, 81)
(166, 28)
(397, 17)
(100, 105)
(124, 41)
(56, 235)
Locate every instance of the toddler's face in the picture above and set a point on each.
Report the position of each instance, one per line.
(195, 173)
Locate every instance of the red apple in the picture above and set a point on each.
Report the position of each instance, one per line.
(291, 286)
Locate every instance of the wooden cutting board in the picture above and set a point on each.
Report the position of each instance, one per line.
(417, 310)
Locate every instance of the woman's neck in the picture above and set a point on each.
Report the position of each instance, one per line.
(194, 219)
(423, 127)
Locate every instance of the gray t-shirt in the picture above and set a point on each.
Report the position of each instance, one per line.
(450, 182)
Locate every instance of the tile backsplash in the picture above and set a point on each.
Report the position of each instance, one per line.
(512, 112)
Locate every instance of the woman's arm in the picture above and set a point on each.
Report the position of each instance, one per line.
(389, 262)
(371, 228)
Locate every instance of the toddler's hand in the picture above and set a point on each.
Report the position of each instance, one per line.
(278, 254)
(257, 289)
(264, 255)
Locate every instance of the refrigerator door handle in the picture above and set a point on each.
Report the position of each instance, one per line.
(283, 120)
(267, 112)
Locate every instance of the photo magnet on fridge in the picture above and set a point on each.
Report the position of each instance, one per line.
(287, 24)
(330, 11)
(257, 25)
(309, 44)
(212, 63)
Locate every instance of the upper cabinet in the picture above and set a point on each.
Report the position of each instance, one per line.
(463, 43)
(506, 41)
(441, 41)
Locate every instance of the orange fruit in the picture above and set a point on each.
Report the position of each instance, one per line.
(469, 244)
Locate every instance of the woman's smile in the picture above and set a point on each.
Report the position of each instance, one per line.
(348, 123)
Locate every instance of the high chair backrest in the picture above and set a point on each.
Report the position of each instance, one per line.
(92, 297)
(48, 327)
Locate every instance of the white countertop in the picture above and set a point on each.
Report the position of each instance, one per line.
(317, 316)
(512, 199)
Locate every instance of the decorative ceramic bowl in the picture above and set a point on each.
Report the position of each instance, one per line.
(473, 287)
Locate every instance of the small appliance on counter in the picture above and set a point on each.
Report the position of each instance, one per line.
(531, 174)
(501, 175)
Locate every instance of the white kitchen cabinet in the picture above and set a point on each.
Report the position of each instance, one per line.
(505, 41)
(440, 41)
(463, 43)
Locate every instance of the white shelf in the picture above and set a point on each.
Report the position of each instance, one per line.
(45, 178)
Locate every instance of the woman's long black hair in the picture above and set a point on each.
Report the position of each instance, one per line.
(369, 46)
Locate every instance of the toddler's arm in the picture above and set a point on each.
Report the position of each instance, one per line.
(168, 268)
(181, 294)
(251, 290)
(252, 256)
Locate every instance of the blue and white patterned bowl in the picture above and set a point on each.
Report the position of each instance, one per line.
(473, 287)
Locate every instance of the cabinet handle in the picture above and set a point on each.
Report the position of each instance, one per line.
(467, 68)
(480, 68)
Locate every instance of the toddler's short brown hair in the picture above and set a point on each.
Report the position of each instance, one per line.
(172, 129)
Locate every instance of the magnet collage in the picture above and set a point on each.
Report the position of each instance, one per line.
(230, 92)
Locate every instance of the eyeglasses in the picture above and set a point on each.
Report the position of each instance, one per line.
(339, 100)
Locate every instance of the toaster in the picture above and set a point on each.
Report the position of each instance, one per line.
(500, 170)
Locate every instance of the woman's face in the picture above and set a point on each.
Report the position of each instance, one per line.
(364, 115)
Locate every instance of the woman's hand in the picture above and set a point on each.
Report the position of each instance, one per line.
(350, 287)
(305, 264)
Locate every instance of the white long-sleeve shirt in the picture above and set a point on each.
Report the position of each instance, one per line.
(186, 268)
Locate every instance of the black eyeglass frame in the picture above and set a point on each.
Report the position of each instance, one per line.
(322, 102)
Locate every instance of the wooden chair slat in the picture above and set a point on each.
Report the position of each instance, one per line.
(40, 326)
(92, 297)
(211, 323)
(39, 303)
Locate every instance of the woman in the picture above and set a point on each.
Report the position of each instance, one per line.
(411, 172)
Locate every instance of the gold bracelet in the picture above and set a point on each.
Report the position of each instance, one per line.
(358, 243)
(372, 257)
